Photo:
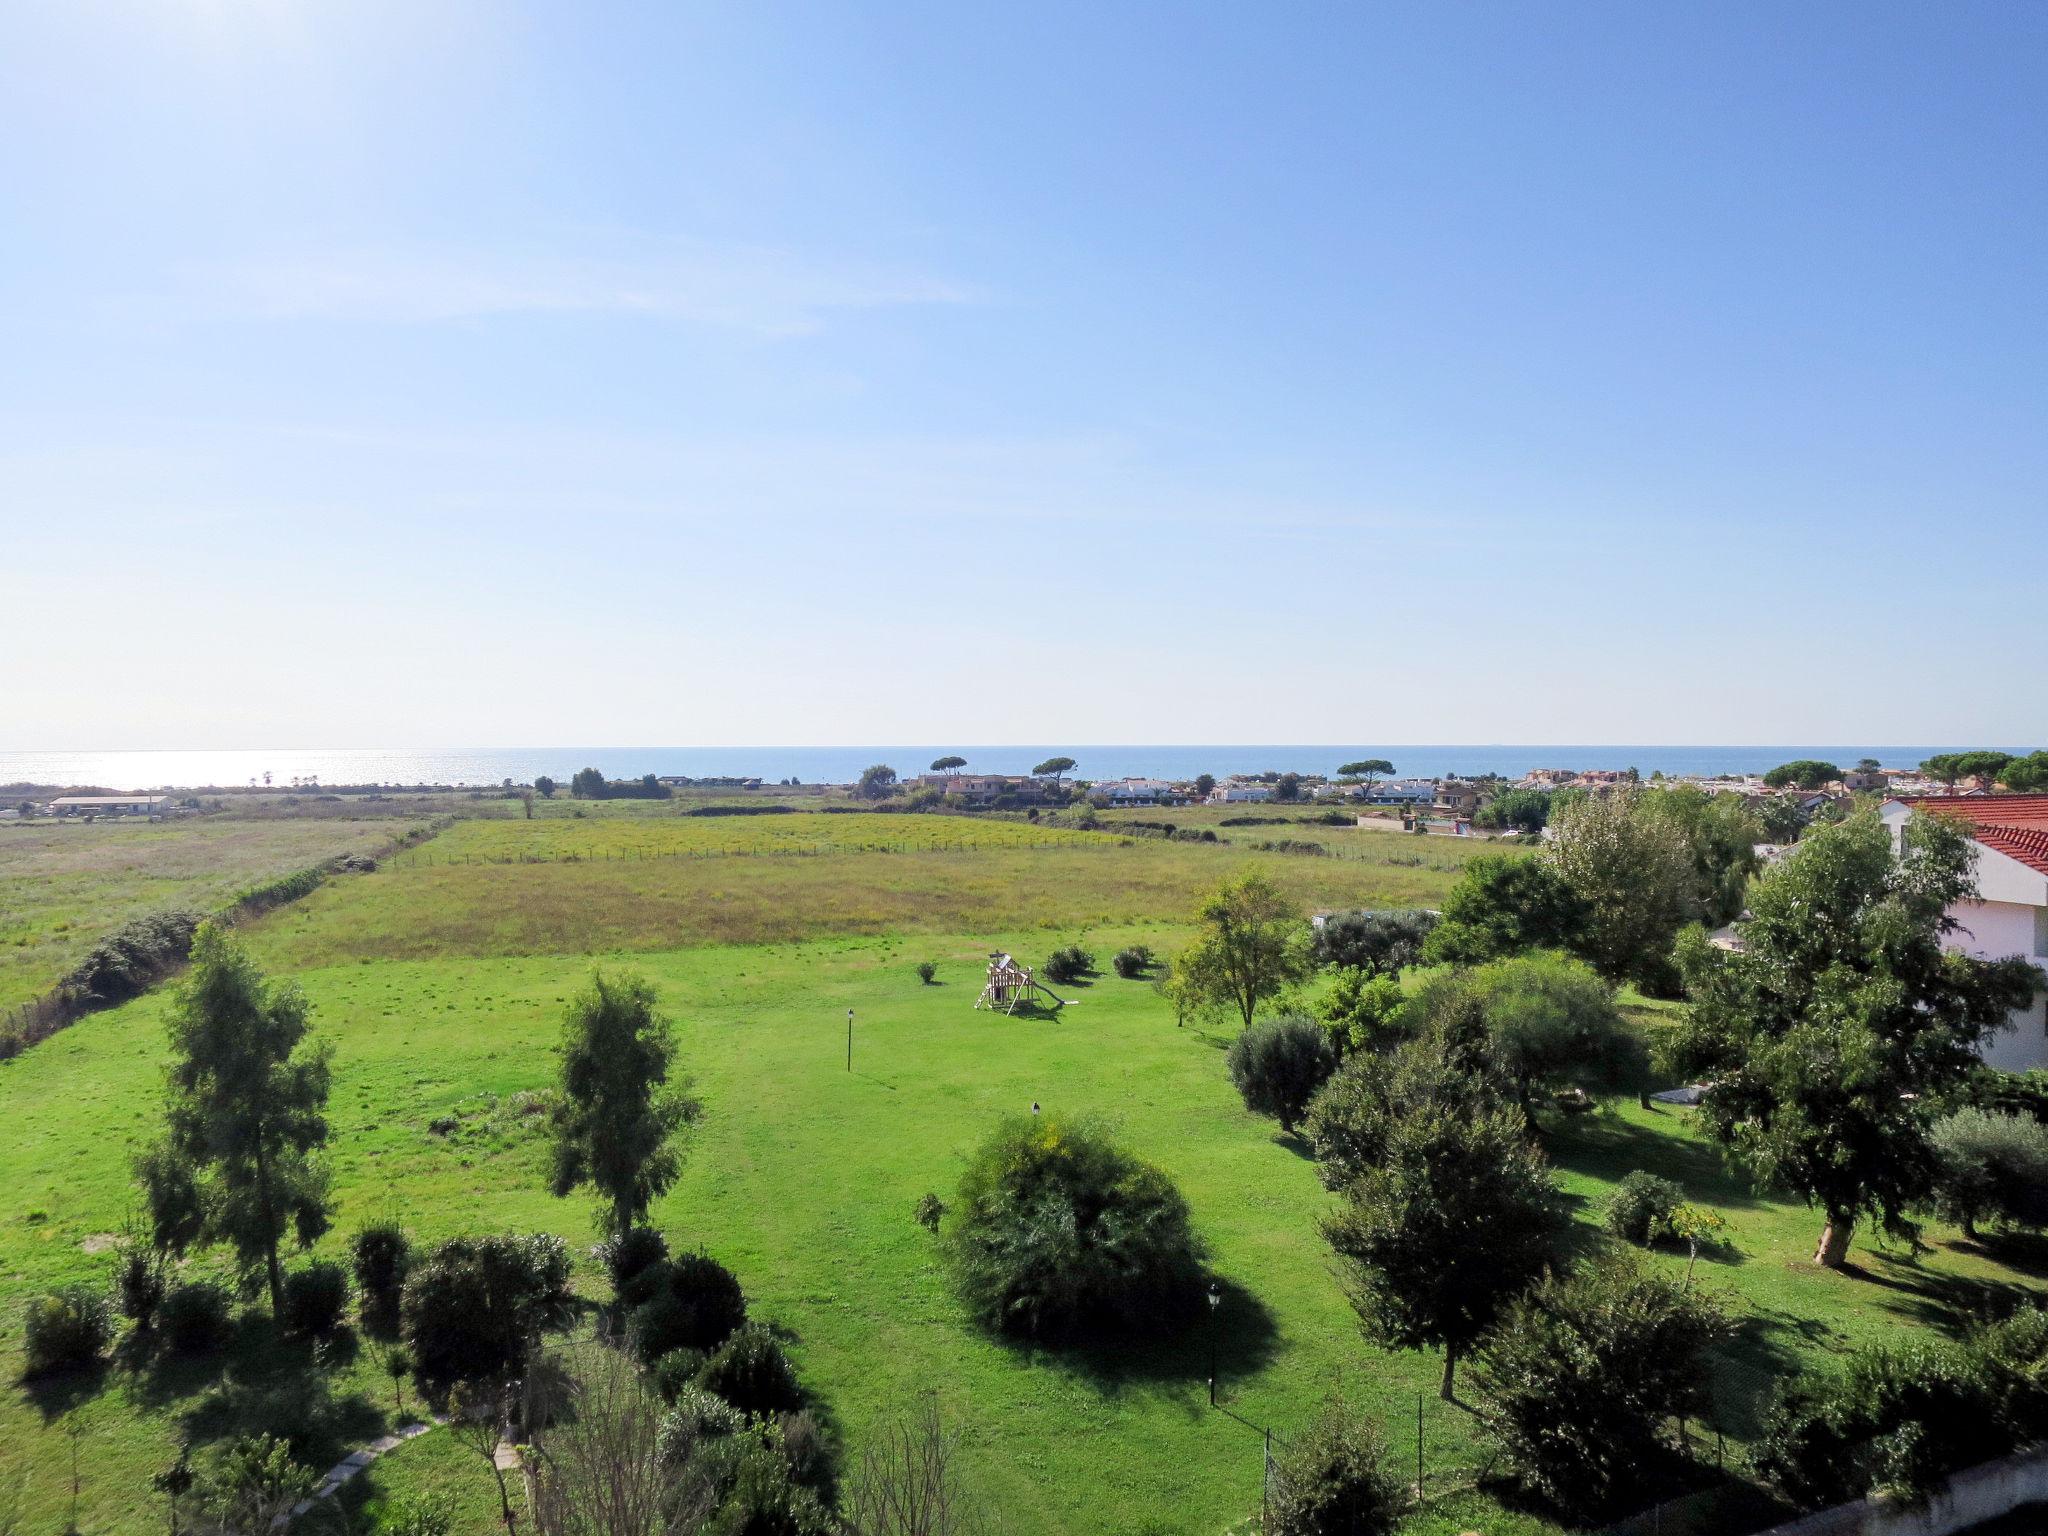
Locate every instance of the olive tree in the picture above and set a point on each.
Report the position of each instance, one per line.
(1828, 1039)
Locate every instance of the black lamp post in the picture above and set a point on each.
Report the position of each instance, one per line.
(1215, 1306)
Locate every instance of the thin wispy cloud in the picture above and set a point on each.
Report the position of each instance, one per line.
(767, 291)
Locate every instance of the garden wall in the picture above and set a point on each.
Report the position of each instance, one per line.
(1974, 1495)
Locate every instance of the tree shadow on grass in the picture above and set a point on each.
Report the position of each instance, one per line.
(1951, 1303)
(2025, 1253)
(1610, 1148)
(1767, 1346)
(58, 1392)
(1241, 1331)
(262, 1383)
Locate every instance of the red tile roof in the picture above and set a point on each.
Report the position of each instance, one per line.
(2015, 825)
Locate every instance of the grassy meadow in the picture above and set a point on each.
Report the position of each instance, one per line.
(803, 1177)
(441, 982)
(596, 886)
(65, 885)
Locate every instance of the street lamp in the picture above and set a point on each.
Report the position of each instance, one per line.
(1215, 1306)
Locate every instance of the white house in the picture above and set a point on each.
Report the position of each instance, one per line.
(1136, 792)
(1240, 794)
(2010, 914)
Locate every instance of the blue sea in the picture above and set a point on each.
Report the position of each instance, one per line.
(402, 767)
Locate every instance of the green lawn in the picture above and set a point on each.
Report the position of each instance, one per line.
(803, 1177)
(65, 885)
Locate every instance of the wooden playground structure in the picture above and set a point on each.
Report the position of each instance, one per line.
(1010, 984)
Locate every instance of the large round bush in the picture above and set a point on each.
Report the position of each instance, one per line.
(1058, 1231)
(474, 1304)
(195, 1317)
(314, 1299)
(751, 1372)
(381, 1257)
(694, 1302)
(634, 1259)
(1278, 1064)
(67, 1330)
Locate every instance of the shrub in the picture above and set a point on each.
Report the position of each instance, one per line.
(1349, 1118)
(195, 1317)
(676, 1372)
(1581, 1373)
(471, 1306)
(67, 1330)
(1056, 1228)
(1278, 1064)
(636, 1261)
(930, 1211)
(1896, 1421)
(314, 1299)
(139, 1286)
(1362, 1012)
(1991, 1167)
(1132, 962)
(696, 1304)
(134, 957)
(1641, 1209)
(1333, 1481)
(428, 1513)
(381, 1256)
(1069, 963)
(751, 1372)
(695, 1416)
(927, 972)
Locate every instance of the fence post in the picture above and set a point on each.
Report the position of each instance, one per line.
(1266, 1487)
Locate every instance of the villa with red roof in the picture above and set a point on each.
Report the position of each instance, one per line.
(2010, 914)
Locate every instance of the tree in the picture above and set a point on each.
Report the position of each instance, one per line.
(1287, 788)
(1867, 765)
(1517, 810)
(1781, 818)
(1334, 1480)
(1545, 1021)
(1633, 868)
(1505, 904)
(545, 786)
(2023, 775)
(1982, 765)
(1253, 944)
(1377, 943)
(588, 784)
(1721, 834)
(1366, 770)
(1459, 1214)
(876, 783)
(1828, 1039)
(1991, 1166)
(1204, 782)
(245, 1115)
(948, 764)
(617, 1115)
(1362, 1012)
(594, 1468)
(1802, 773)
(909, 1483)
(1055, 766)
(1278, 1064)
(1582, 1373)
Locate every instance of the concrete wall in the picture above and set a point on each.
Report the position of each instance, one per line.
(1973, 1496)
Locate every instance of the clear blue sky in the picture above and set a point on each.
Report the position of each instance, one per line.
(432, 373)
